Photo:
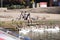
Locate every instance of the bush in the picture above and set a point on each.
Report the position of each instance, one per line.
(16, 6)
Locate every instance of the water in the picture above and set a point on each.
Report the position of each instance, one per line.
(42, 33)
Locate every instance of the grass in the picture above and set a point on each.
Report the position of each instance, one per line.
(14, 24)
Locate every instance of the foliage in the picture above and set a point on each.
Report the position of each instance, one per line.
(1, 23)
(12, 4)
(16, 6)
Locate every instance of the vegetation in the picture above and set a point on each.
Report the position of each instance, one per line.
(15, 25)
(16, 4)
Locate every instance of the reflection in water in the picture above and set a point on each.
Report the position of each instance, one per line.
(36, 33)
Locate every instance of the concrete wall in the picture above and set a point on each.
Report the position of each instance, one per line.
(46, 10)
(54, 10)
(3, 9)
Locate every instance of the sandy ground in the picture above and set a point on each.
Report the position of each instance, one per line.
(9, 15)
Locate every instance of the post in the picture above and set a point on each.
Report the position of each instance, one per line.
(1, 3)
(51, 1)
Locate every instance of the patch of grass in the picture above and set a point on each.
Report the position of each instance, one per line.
(14, 24)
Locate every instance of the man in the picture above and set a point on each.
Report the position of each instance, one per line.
(58, 2)
(55, 3)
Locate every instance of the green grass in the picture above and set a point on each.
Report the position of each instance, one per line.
(21, 23)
